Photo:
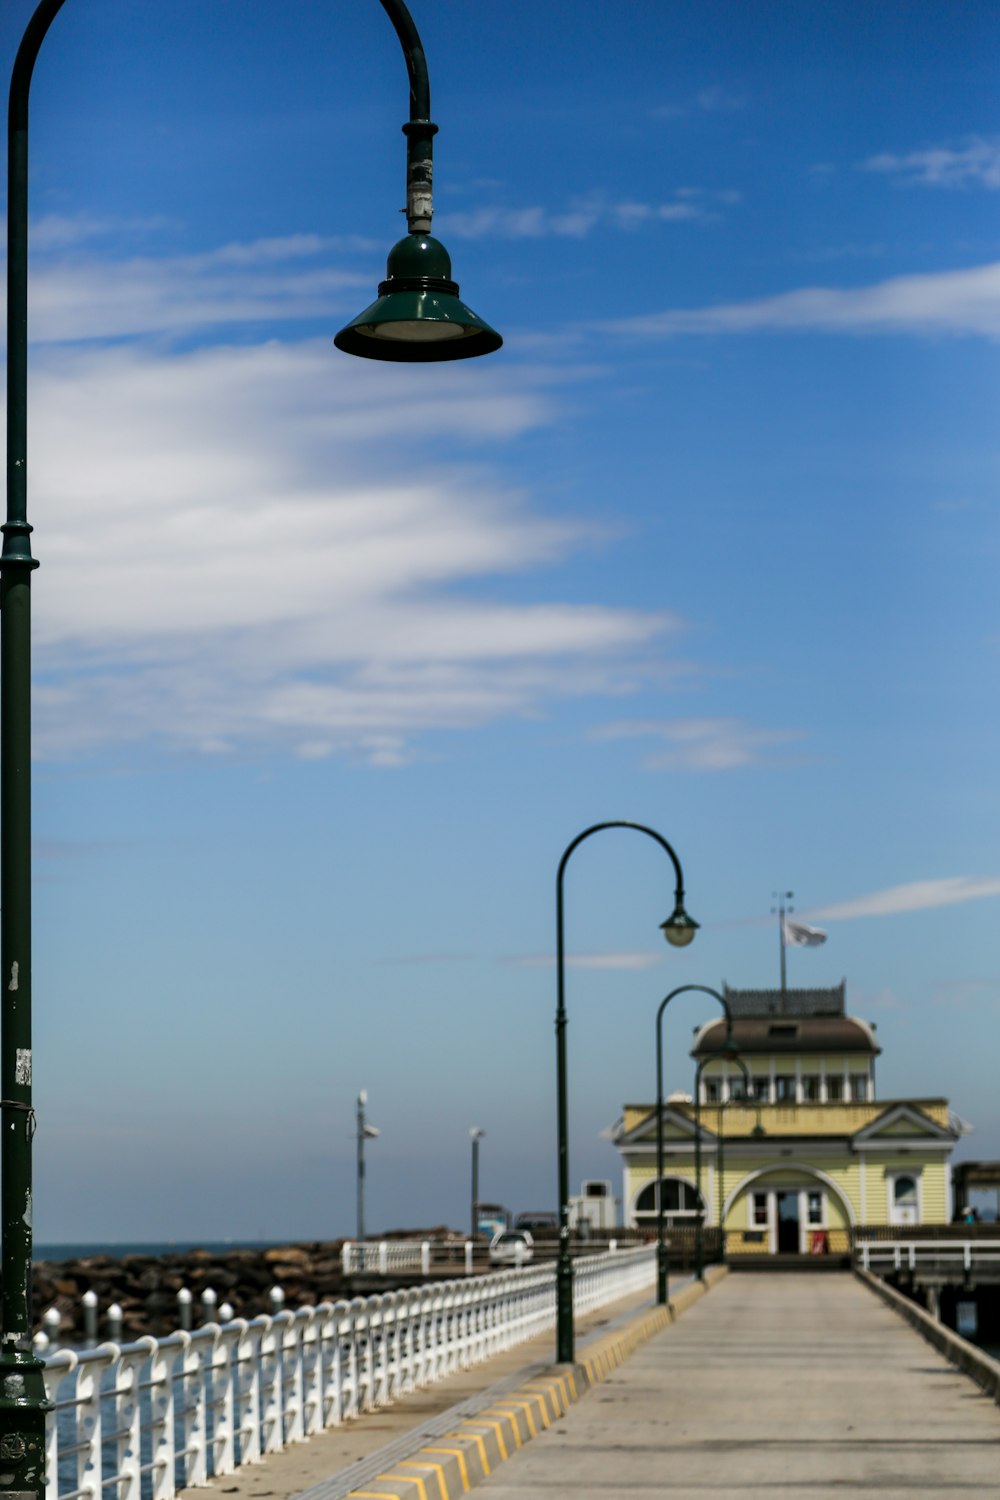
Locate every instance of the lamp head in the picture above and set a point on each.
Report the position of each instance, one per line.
(418, 316)
(730, 1046)
(679, 929)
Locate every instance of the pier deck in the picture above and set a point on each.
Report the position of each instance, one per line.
(787, 1385)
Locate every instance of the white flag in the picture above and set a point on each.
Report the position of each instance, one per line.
(798, 935)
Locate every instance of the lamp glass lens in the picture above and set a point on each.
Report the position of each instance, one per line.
(678, 937)
(416, 330)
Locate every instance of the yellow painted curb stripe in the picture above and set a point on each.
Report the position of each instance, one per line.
(475, 1437)
(484, 1421)
(409, 1479)
(524, 1406)
(543, 1392)
(411, 1463)
(509, 1420)
(462, 1468)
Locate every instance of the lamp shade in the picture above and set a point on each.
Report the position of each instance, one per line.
(679, 929)
(418, 316)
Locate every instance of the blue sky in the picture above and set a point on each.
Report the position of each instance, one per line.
(333, 659)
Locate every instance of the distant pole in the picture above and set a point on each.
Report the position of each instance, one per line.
(362, 1101)
(781, 897)
(365, 1132)
(476, 1136)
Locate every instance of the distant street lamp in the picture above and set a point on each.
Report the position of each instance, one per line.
(476, 1136)
(662, 1255)
(757, 1131)
(678, 929)
(366, 1132)
(417, 317)
(699, 1242)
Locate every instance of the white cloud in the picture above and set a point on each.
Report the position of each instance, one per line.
(917, 895)
(702, 744)
(976, 164)
(948, 302)
(290, 278)
(246, 547)
(584, 215)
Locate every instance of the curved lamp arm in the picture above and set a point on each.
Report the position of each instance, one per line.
(661, 1248)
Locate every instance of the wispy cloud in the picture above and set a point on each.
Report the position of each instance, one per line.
(917, 895)
(710, 100)
(944, 302)
(974, 164)
(245, 555)
(290, 278)
(967, 993)
(589, 961)
(702, 744)
(583, 215)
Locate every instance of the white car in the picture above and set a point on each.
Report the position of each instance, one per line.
(511, 1247)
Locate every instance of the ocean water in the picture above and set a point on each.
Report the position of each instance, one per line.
(82, 1250)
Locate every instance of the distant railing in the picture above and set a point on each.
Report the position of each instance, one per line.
(883, 1256)
(400, 1257)
(141, 1421)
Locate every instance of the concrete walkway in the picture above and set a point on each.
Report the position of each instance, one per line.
(329, 1457)
(775, 1385)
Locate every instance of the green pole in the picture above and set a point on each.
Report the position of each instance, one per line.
(679, 929)
(22, 1389)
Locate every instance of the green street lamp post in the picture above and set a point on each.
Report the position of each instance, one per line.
(679, 930)
(757, 1131)
(662, 1256)
(475, 1135)
(417, 317)
(699, 1239)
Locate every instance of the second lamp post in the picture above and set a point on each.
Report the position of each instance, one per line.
(678, 929)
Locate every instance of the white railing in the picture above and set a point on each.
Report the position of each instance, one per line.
(911, 1255)
(141, 1421)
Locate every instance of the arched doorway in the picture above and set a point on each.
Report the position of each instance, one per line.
(794, 1209)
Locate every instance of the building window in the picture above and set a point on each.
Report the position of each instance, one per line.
(713, 1091)
(758, 1215)
(904, 1190)
(859, 1087)
(760, 1090)
(784, 1088)
(814, 1208)
(680, 1202)
(904, 1198)
(810, 1087)
(834, 1087)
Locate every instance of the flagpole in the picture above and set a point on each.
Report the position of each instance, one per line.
(781, 897)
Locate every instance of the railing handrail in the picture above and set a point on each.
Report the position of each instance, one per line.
(155, 1414)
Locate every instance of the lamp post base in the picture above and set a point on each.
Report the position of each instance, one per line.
(662, 1275)
(23, 1405)
(565, 1347)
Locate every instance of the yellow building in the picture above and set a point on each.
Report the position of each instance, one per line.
(793, 1162)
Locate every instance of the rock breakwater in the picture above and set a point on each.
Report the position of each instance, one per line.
(146, 1286)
